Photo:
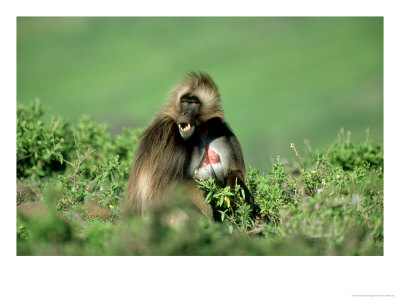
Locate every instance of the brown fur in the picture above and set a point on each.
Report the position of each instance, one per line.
(203, 87)
(162, 154)
(158, 164)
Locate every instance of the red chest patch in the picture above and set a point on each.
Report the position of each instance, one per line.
(210, 157)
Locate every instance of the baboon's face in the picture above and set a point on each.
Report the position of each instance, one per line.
(187, 118)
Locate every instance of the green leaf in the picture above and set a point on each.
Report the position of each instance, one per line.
(208, 200)
(222, 215)
(221, 201)
(40, 172)
(47, 155)
(61, 158)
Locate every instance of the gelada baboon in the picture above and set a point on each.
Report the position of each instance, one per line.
(186, 139)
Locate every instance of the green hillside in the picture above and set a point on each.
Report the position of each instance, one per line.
(282, 80)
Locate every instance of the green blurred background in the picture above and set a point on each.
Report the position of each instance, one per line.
(282, 80)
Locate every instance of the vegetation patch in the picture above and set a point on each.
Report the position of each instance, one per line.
(71, 179)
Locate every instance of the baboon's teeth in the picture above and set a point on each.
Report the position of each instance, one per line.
(185, 128)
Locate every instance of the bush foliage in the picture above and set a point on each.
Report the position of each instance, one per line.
(329, 203)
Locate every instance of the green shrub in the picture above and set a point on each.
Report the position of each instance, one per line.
(331, 204)
(41, 148)
(349, 155)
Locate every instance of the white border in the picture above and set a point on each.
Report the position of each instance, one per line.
(198, 277)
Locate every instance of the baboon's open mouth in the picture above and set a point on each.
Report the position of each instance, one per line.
(185, 127)
(186, 130)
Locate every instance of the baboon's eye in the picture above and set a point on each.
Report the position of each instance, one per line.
(184, 103)
(194, 103)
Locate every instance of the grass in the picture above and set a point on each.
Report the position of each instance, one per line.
(71, 179)
(282, 80)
